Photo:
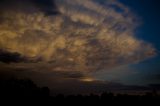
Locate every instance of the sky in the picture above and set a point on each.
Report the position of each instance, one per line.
(81, 46)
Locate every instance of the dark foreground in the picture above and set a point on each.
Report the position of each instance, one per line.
(25, 92)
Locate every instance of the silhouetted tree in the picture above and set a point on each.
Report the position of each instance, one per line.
(26, 91)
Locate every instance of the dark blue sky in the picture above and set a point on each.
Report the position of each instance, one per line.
(148, 11)
(148, 71)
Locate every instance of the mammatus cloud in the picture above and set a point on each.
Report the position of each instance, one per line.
(84, 36)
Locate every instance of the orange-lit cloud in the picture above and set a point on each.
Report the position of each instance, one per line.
(85, 36)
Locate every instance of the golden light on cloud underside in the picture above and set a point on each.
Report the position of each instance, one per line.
(87, 79)
(86, 36)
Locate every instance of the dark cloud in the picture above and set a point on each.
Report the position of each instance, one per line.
(47, 6)
(15, 57)
(8, 57)
(155, 77)
(155, 86)
(97, 87)
(71, 83)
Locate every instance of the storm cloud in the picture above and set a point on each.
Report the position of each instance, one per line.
(84, 36)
